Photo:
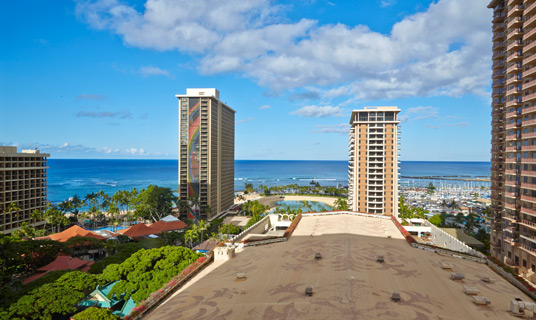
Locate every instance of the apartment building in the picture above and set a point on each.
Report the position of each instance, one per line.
(374, 165)
(23, 187)
(513, 176)
(206, 152)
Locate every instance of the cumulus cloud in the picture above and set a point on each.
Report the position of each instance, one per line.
(136, 152)
(319, 112)
(332, 128)
(147, 71)
(444, 50)
(265, 107)
(70, 148)
(125, 114)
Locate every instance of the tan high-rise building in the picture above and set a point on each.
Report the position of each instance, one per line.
(513, 151)
(23, 183)
(206, 152)
(373, 169)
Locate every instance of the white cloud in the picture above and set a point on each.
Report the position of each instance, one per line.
(460, 124)
(444, 50)
(387, 3)
(147, 71)
(265, 107)
(244, 120)
(136, 152)
(420, 112)
(343, 128)
(319, 112)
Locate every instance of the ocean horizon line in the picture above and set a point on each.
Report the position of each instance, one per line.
(438, 161)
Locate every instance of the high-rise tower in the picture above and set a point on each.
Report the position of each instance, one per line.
(206, 152)
(513, 143)
(23, 187)
(374, 166)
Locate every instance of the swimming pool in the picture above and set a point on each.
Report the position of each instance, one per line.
(315, 206)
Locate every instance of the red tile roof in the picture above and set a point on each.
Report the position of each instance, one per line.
(139, 230)
(168, 226)
(74, 231)
(64, 263)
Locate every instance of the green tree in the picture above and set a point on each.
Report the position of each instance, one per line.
(171, 238)
(229, 229)
(27, 231)
(341, 204)
(202, 227)
(435, 220)
(94, 313)
(431, 188)
(155, 202)
(248, 188)
(147, 270)
(191, 236)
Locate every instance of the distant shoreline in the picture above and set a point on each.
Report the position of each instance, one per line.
(455, 178)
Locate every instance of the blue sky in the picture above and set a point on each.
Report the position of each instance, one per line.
(97, 79)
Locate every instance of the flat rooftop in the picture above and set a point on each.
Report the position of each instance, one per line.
(348, 283)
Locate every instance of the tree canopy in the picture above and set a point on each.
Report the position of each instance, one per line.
(147, 270)
(154, 202)
(94, 313)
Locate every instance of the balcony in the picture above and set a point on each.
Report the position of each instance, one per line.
(529, 98)
(516, 11)
(512, 126)
(498, 55)
(530, 85)
(511, 80)
(515, 45)
(512, 206)
(529, 10)
(513, 137)
(529, 135)
(517, 22)
(513, 183)
(512, 171)
(528, 249)
(528, 223)
(531, 186)
(528, 198)
(499, 46)
(530, 23)
(528, 173)
(513, 91)
(529, 110)
(512, 35)
(513, 103)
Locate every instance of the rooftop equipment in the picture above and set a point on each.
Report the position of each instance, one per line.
(395, 296)
(309, 291)
(380, 259)
(318, 256)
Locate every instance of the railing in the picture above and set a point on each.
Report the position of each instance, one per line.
(242, 234)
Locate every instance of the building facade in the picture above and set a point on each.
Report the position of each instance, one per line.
(206, 153)
(374, 165)
(23, 187)
(513, 151)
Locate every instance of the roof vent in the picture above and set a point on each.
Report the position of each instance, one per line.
(395, 296)
(457, 276)
(380, 259)
(241, 276)
(309, 291)
(318, 256)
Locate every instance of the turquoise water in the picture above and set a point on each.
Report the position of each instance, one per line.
(315, 206)
(110, 228)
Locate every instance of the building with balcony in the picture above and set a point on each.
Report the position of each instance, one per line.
(374, 165)
(206, 153)
(23, 187)
(513, 151)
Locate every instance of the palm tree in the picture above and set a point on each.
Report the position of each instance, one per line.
(341, 204)
(202, 227)
(190, 236)
(12, 207)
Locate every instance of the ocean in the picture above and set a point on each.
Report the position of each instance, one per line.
(68, 177)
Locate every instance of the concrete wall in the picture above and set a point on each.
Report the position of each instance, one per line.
(445, 240)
